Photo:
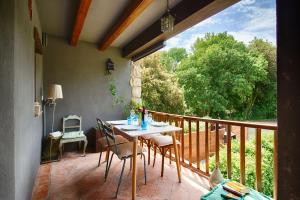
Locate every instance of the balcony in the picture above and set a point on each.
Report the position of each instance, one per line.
(79, 177)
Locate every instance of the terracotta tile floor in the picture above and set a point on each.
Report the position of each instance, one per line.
(76, 177)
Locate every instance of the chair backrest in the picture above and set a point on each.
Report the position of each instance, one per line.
(108, 133)
(67, 126)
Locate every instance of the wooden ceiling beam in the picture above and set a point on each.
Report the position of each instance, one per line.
(132, 12)
(187, 13)
(79, 22)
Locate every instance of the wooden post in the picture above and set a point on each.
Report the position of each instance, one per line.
(242, 155)
(206, 149)
(229, 152)
(190, 144)
(258, 159)
(198, 145)
(217, 146)
(182, 141)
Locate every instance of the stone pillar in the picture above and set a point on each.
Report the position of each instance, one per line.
(136, 82)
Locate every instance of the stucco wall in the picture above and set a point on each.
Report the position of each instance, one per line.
(81, 72)
(6, 100)
(28, 129)
(20, 131)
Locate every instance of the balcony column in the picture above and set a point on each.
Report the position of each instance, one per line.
(288, 76)
(136, 82)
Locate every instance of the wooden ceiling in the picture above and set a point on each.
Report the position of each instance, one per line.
(131, 25)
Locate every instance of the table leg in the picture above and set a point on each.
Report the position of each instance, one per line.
(134, 169)
(176, 157)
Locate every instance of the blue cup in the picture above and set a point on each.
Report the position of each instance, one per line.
(129, 120)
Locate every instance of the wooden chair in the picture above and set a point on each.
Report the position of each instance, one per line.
(164, 143)
(123, 152)
(147, 139)
(72, 132)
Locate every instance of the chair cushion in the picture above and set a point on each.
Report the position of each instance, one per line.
(73, 134)
(125, 150)
(119, 140)
(148, 137)
(163, 140)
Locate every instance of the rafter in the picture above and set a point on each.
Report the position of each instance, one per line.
(80, 18)
(187, 13)
(133, 11)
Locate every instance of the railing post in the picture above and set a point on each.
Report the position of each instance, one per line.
(190, 143)
(206, 149)
(182, 140)
(275, 164)
(229, 151)
(258, 159)
(242, 155)
(217, 146)
(198, 144)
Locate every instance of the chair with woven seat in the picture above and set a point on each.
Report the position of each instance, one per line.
(123, 152)
(148, 140)
(103, 141)
(163, 143)
(69, 135)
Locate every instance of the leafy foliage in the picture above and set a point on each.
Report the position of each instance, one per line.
(114, 93)
(267, 163)
(266, 91)
(220, 77)
(160, 90)
(171, 58)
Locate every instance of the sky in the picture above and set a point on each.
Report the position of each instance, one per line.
(244, 20)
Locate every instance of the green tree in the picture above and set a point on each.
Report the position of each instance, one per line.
(160, 90)
(171, 58)
(267, 163)
(266, 91)
(219, 77)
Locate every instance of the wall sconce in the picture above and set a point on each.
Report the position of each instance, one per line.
(109, 66)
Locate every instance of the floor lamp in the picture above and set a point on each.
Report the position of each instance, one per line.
(55, 92)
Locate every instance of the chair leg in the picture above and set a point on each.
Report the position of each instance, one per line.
(162, 161)
(107, 154)
(154, 155)
(170, 156)
(149, 146)
(145, 173)
(84, 147)
(108, 166)
(130, 163)
(120, 179)
(100, 156)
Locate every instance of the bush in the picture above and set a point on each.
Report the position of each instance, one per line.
(267, 163)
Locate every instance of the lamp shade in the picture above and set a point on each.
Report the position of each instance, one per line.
(55, 92)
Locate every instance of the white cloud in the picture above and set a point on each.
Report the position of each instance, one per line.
(262, 18)
(247, 2)
(183, 42)
(245, 20)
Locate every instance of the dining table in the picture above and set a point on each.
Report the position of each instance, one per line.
(132, 135)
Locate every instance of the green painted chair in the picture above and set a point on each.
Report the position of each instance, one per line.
(72, 133)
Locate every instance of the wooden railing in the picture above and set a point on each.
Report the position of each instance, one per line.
(212, 146)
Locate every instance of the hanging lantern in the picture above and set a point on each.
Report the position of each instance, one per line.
(167, 21)
(109, 66)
